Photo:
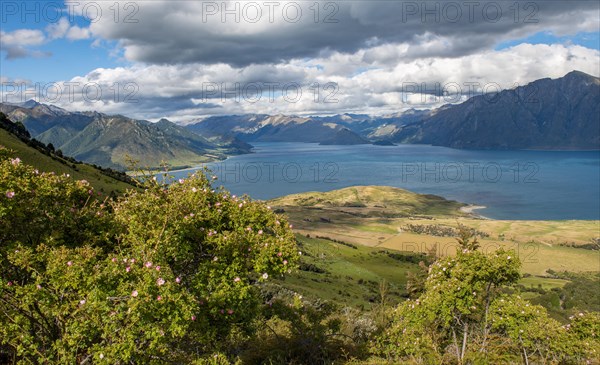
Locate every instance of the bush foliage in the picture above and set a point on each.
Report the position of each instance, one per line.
(159, 275)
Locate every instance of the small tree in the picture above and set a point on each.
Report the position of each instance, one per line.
(465, 316)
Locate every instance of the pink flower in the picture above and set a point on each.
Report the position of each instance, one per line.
(240, 205)
(260, 231)
(114, 259)
(291, 226)
(178, 280)
(132, 261)
(181, 181)
(127, 269)
(193, 318)
(285, 262)
(39, 287)
(158, 268)
(15, 161)
(134, 293)
(9, 283)
(148, 264)
(160, 281)
(236, 280)
(82, 301)
(10, 194)
(69, 263)
(159, 298)
(230, 311)
(279, 254)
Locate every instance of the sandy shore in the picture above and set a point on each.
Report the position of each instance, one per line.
(469, 209)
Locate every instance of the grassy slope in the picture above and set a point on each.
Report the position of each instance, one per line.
(373, 201)
(352, 275)
(45, 163)
(373, 217)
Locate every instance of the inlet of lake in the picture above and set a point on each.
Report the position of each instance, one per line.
(527, 185)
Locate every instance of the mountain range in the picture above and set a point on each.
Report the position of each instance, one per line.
(558, 114)
(548, 114)
(552, 114)
(115, 141)
(17, 139)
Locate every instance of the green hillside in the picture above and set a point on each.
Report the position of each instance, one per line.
(350, 275)
(374, 201)
(47, 163)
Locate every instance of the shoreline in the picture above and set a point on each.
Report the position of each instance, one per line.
(471, 208)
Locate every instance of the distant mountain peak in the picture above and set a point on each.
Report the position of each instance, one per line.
(164, 121)
(29, 104)
(582, 77)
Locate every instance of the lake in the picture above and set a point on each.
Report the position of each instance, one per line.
(527, 185)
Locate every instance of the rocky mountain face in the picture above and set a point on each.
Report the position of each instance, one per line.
(562, 113)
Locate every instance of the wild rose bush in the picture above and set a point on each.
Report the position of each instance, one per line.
(164, 273)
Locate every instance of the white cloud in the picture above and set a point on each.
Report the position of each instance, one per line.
(183, 92)
(16, 43)
(59, 29)
(77, 33)
(63, 29)
(22, 37)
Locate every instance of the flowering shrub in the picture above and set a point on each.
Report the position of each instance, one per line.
(162, 274)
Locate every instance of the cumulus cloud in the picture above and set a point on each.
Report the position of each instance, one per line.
(63, 29)
(184, 92)
(242, 33)
(16, 43)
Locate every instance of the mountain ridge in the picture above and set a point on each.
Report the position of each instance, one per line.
(115, 141)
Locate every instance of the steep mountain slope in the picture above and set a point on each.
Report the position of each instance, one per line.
(35, 154)
(39, 118)
(546, 114)
(111, 141)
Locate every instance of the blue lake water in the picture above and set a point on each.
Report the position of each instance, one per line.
(510, 184)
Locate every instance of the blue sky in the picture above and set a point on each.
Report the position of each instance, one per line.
(586, 39)
(175, 48)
